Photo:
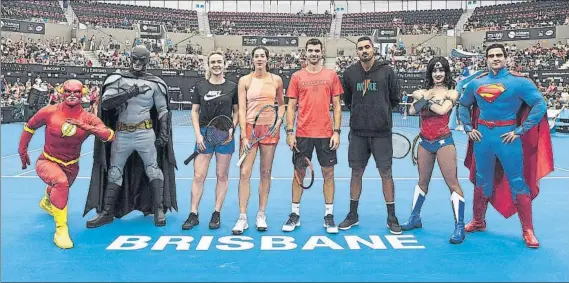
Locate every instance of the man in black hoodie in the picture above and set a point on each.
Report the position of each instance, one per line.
(371, 91)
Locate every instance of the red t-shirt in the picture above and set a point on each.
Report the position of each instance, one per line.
(314, 93)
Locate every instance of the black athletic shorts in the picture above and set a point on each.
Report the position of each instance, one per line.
(326, 156)
(361, 148)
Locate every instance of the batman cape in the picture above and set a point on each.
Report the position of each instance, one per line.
(136, 193)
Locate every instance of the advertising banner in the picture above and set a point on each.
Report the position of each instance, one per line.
(22, 26)
(521, 34)
(269, 41)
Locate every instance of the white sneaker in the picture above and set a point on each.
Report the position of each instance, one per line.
(261, 221)
(329, 224)
(240, 226)
(292, 222)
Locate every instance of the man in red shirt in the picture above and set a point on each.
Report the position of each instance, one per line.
(312, 89)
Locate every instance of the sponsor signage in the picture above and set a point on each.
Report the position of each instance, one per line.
(521, 34)
(22, 26)
(269, 41)
(148, 28)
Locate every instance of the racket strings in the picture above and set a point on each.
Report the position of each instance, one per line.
(414, 150)
(303, 170)
(300, 162)
(401, 146)
(265, 121)
(218, 131)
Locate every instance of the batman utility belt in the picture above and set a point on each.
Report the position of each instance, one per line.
(144, 125)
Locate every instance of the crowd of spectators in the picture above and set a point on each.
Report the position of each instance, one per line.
(277, 60)
(177, 60)
(556, 94)
(522, 60)
(54, 51)
(415, 58)
(15, 93)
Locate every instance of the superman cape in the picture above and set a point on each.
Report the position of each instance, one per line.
(538, 162)
(136, 192)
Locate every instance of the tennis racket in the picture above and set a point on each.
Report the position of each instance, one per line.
(401, 146)
(217, 132)
(260, 132)
(303, 169)
(415, 151)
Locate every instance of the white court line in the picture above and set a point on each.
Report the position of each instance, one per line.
(466, 145)
(290, 178)
(29, 171)
(17, 154)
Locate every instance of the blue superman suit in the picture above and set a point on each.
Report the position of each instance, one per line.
(496, 101)
(460, 87)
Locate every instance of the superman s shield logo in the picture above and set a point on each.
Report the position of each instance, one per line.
(490, 92)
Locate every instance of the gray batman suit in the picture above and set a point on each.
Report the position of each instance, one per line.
(134, 111)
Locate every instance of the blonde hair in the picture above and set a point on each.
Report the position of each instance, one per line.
(211, 53)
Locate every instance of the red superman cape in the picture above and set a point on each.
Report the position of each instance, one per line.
(538, 162)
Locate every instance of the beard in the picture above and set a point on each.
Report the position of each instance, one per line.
(365, 59)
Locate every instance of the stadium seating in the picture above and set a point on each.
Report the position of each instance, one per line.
(112, 15)
(519, 15)
(270, 24)
(34, 10)
(409, 22)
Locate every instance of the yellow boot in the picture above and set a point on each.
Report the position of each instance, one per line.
(61, 237)
(45, 203)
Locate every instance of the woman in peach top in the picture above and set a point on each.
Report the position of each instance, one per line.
(256, 90)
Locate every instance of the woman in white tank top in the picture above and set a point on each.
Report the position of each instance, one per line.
(255, 91)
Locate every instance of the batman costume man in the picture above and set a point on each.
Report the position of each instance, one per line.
(137, 170)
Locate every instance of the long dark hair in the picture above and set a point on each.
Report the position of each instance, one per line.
(266, 55)
(449, 82)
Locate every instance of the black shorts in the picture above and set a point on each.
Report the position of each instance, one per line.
(361, 148)
(326, 156)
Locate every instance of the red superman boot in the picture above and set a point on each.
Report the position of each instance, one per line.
(480, 204)
(523, 204)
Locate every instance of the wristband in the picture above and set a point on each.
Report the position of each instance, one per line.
(420, 104)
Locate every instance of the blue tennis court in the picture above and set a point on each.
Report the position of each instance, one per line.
(133, 249)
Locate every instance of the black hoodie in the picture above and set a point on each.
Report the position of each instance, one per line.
(371, 96)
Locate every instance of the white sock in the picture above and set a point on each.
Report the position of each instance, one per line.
(296, 208)
(329, 209)
(243, 216)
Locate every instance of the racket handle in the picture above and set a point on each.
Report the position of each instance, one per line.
(242, 158)
(191, 158)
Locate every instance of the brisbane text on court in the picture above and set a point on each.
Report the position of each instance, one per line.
(269, 243)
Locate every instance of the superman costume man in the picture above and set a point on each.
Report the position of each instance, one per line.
(67, 127)
(510, 146)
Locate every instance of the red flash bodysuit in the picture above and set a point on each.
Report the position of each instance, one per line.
(67, 127)
(58, 164)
